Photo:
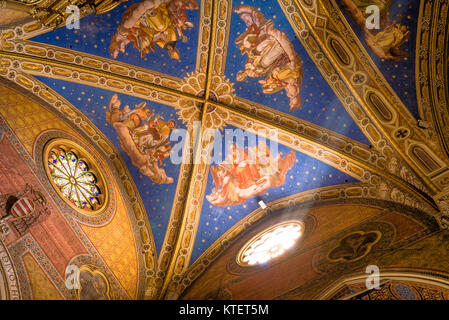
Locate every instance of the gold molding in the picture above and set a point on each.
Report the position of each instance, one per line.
(55, 103)
(420, 276)
(431, 69)
(82, 154)
(319, 196)
(195, 188)
(165, 277)
(87, 69)
(30, 65)
(317, 21)
(341, 159)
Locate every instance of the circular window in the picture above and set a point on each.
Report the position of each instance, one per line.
(75, 176)
(270, 244)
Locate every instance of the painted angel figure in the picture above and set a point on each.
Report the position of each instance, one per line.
(358, 10)
(270, 55)
(273, 170)
(235, 178)
(386, 41)
(145, 139)
(385, 44)
(244, 174)
(152, 23)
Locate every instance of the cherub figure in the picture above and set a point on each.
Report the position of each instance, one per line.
(133, 119)
(145, 139)
(386, 41)
(272, 169)
(244, 175)
(358, 9)
(152, 23)
(385, 44)
(270, 55)
(225, 190)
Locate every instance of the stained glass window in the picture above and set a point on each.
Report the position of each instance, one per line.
(73, 178)
(270, 244)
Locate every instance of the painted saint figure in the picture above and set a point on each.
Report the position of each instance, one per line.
(244, 174)
(386, 41)
(358, 10)
(143, 136)
(152, 23)
(270, 55)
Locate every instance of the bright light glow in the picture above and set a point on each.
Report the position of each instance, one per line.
(271, 243)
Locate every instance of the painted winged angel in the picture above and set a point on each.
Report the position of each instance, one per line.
(384, 42)
(143, 137)
(359, 10)
(270, 55)
(153, 23)
(244, 174)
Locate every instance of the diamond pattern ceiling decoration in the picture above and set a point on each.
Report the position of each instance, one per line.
(341, 100)
(305, 97)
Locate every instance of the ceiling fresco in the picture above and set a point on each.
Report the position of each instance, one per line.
(94, 103)
(96, 32)
(317, 103)
(301, 173)
(310, 99)
(309, 109)
(399, 68)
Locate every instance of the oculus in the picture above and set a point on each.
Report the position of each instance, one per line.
(75, 176)
(270, 243)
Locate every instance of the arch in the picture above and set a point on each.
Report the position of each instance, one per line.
(351, 194)
(9, 286)
(425, 277)
(92, 138)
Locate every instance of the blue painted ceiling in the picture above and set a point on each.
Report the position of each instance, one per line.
(319, 106)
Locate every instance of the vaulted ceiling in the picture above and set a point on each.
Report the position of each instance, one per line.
(360, 115)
